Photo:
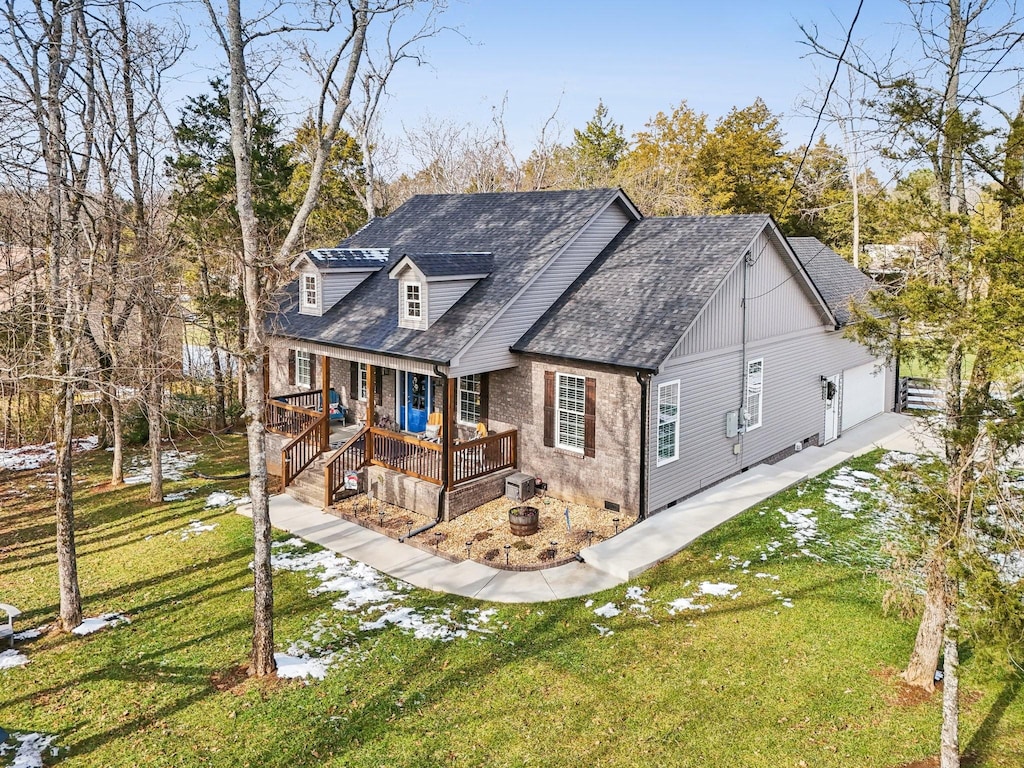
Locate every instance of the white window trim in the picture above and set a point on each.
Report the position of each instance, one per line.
(479, 391)
(304, 291)
(405, 320)
(558, 409)
(662, 461)
(363, 382)
(300, 380)
(747, 395)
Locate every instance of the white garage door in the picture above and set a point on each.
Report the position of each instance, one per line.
(863, 393)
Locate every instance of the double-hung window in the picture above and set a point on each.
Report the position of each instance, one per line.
(364, 384)
(310, 297)
(754, 394)
(668, 422)
(469, 399)
(570, 411)
(413, 301)
(303, 369)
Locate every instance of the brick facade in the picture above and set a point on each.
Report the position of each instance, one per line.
(613, 474)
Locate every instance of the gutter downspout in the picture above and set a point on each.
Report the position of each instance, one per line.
(743, 354)
(645, 390)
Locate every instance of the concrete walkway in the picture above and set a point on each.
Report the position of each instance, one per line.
(610, 562)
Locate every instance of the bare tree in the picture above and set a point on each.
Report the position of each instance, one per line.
(243, 41)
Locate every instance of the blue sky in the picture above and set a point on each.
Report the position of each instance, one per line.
(639, 58)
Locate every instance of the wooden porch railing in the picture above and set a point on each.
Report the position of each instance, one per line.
(482, 456)
(288, 419)
(300, 452)
(406, 454)
(351, 456)
(309, 400)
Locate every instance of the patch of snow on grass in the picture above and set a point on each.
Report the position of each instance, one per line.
(685, 604)
(602, 631)
(223, 499)
(893, 459)
(30, 634)
(88, 626)
(173, 465)
(196, 527)
(302, 666)
(179, 495)
(12, 658)
(639, 600)
(772, 576)
(718, 589)
(29, 748)
(35, 456)
(607, 611)
(803, 524)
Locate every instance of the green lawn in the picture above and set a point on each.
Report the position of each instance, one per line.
(748, 682)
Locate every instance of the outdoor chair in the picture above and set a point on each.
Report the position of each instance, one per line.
(10, 611)
(434, 428)
(337, 412)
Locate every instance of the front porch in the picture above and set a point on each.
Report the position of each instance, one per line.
(334, 442)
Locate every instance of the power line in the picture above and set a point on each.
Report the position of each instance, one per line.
(824, 103)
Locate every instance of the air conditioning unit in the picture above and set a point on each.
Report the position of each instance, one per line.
(519, 487)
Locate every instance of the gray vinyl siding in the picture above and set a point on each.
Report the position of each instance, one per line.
(337, 285)
(779, 304)
(711, 386)
(490, 350)
(442, 295)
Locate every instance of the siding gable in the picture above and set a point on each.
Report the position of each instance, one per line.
(779, 303)
(490, 349)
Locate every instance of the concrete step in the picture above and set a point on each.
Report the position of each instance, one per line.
(313, 498)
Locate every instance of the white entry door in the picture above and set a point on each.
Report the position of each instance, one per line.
(832, 408)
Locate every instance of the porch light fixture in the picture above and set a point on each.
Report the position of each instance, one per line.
(508, 548)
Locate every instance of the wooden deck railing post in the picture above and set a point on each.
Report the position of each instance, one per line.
(325, 401)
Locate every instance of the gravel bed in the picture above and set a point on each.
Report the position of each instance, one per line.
(488, 529)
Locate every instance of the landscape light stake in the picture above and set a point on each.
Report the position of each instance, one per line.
(380, 515)
(468, 545)
(590, 537)
(410, 531)
(554, 549)
(616, 521)
(508, 548)
(437, 540)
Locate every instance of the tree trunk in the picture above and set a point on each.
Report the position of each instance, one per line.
(263, 627)
(949, 756)
(67, 562)
(116, 426)
(924, 659)
(154, 403)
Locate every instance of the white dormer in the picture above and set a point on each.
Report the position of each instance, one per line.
(327, 275)
(430, 284)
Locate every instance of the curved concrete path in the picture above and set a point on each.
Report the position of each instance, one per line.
(605, 564)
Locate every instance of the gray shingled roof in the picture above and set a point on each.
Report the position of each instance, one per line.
(631, 306)
(348, 258)
(452, 264)
(836, 279)
(522, 230)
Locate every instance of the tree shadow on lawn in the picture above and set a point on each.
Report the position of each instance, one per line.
(980, 745)
(108, 596)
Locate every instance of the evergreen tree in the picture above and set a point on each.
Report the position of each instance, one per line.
(597, 149)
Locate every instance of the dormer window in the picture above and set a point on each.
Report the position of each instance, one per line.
(310, 293)
(413, 307)
(413, 300)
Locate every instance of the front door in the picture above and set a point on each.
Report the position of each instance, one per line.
(832, 409)
(415, 407)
